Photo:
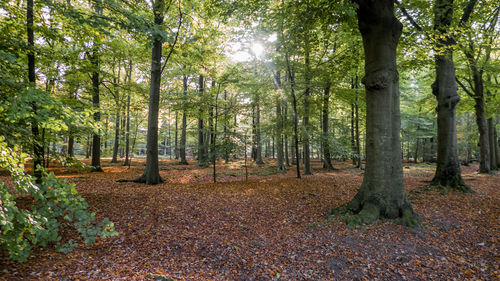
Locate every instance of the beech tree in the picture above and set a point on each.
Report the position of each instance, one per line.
(382, 192)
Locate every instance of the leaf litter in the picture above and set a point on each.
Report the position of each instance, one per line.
(271, 227)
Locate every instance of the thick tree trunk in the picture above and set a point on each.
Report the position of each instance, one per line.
(182, 148)
(491, 134)
(382, 192)
(327, 157)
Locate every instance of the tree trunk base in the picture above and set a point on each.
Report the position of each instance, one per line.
(183, 163)
(281, 168)
(96, 169)
(141, 179)
(456, 183)
(371, 211)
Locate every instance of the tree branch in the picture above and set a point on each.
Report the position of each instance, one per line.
(464, 88)
(467, 12)
(176, 37)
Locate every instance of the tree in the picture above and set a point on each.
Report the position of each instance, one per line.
(382, 192)
(94, 60)
(151, 173)
(448, 172)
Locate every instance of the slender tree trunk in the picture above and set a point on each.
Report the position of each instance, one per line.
(327, 157)
(285, 122)
(497, 148)
(88, 147)
(117, 137)
(258, 151)
(37, 149)
(94, 60)
(358, 147)
(202, 157)
(382, 192)
(127, 134)
(482, 124)
(307, 92)
(491, 134)
(176, 145)
(291, 77)
(151, 173)
(226, 121)
(279, 137)
(353, 140)
(182, 151)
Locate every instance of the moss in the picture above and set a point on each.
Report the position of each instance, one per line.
(409, 218)
(369, 213)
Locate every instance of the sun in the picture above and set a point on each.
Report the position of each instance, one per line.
(257, 49)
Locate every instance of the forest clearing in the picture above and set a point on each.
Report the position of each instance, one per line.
(271, 227)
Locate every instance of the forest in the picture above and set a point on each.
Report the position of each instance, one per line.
(249, 139)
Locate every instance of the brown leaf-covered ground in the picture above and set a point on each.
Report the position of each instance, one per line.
(272, 227)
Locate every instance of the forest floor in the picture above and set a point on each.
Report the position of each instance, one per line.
(271, 227)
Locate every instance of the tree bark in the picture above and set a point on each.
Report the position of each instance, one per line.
(491, 134)
(307, 92)
(127, 126)
(280, 165)
(182, 148)
(327, 157)
(151, 173)
(37, 148)
(258, 151)
(382, 192)
(94, 60)
(116, 144)
(202, 153)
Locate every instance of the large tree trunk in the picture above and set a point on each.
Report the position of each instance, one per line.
(182, 148)
(382, 192)
(327, 157)
(448, 172)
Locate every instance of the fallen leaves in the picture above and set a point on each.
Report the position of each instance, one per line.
(271, 227)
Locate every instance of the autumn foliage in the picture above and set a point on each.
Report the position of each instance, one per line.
(271, 227)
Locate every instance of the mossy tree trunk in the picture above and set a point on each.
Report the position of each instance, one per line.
(382, 192)
(444, 88)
